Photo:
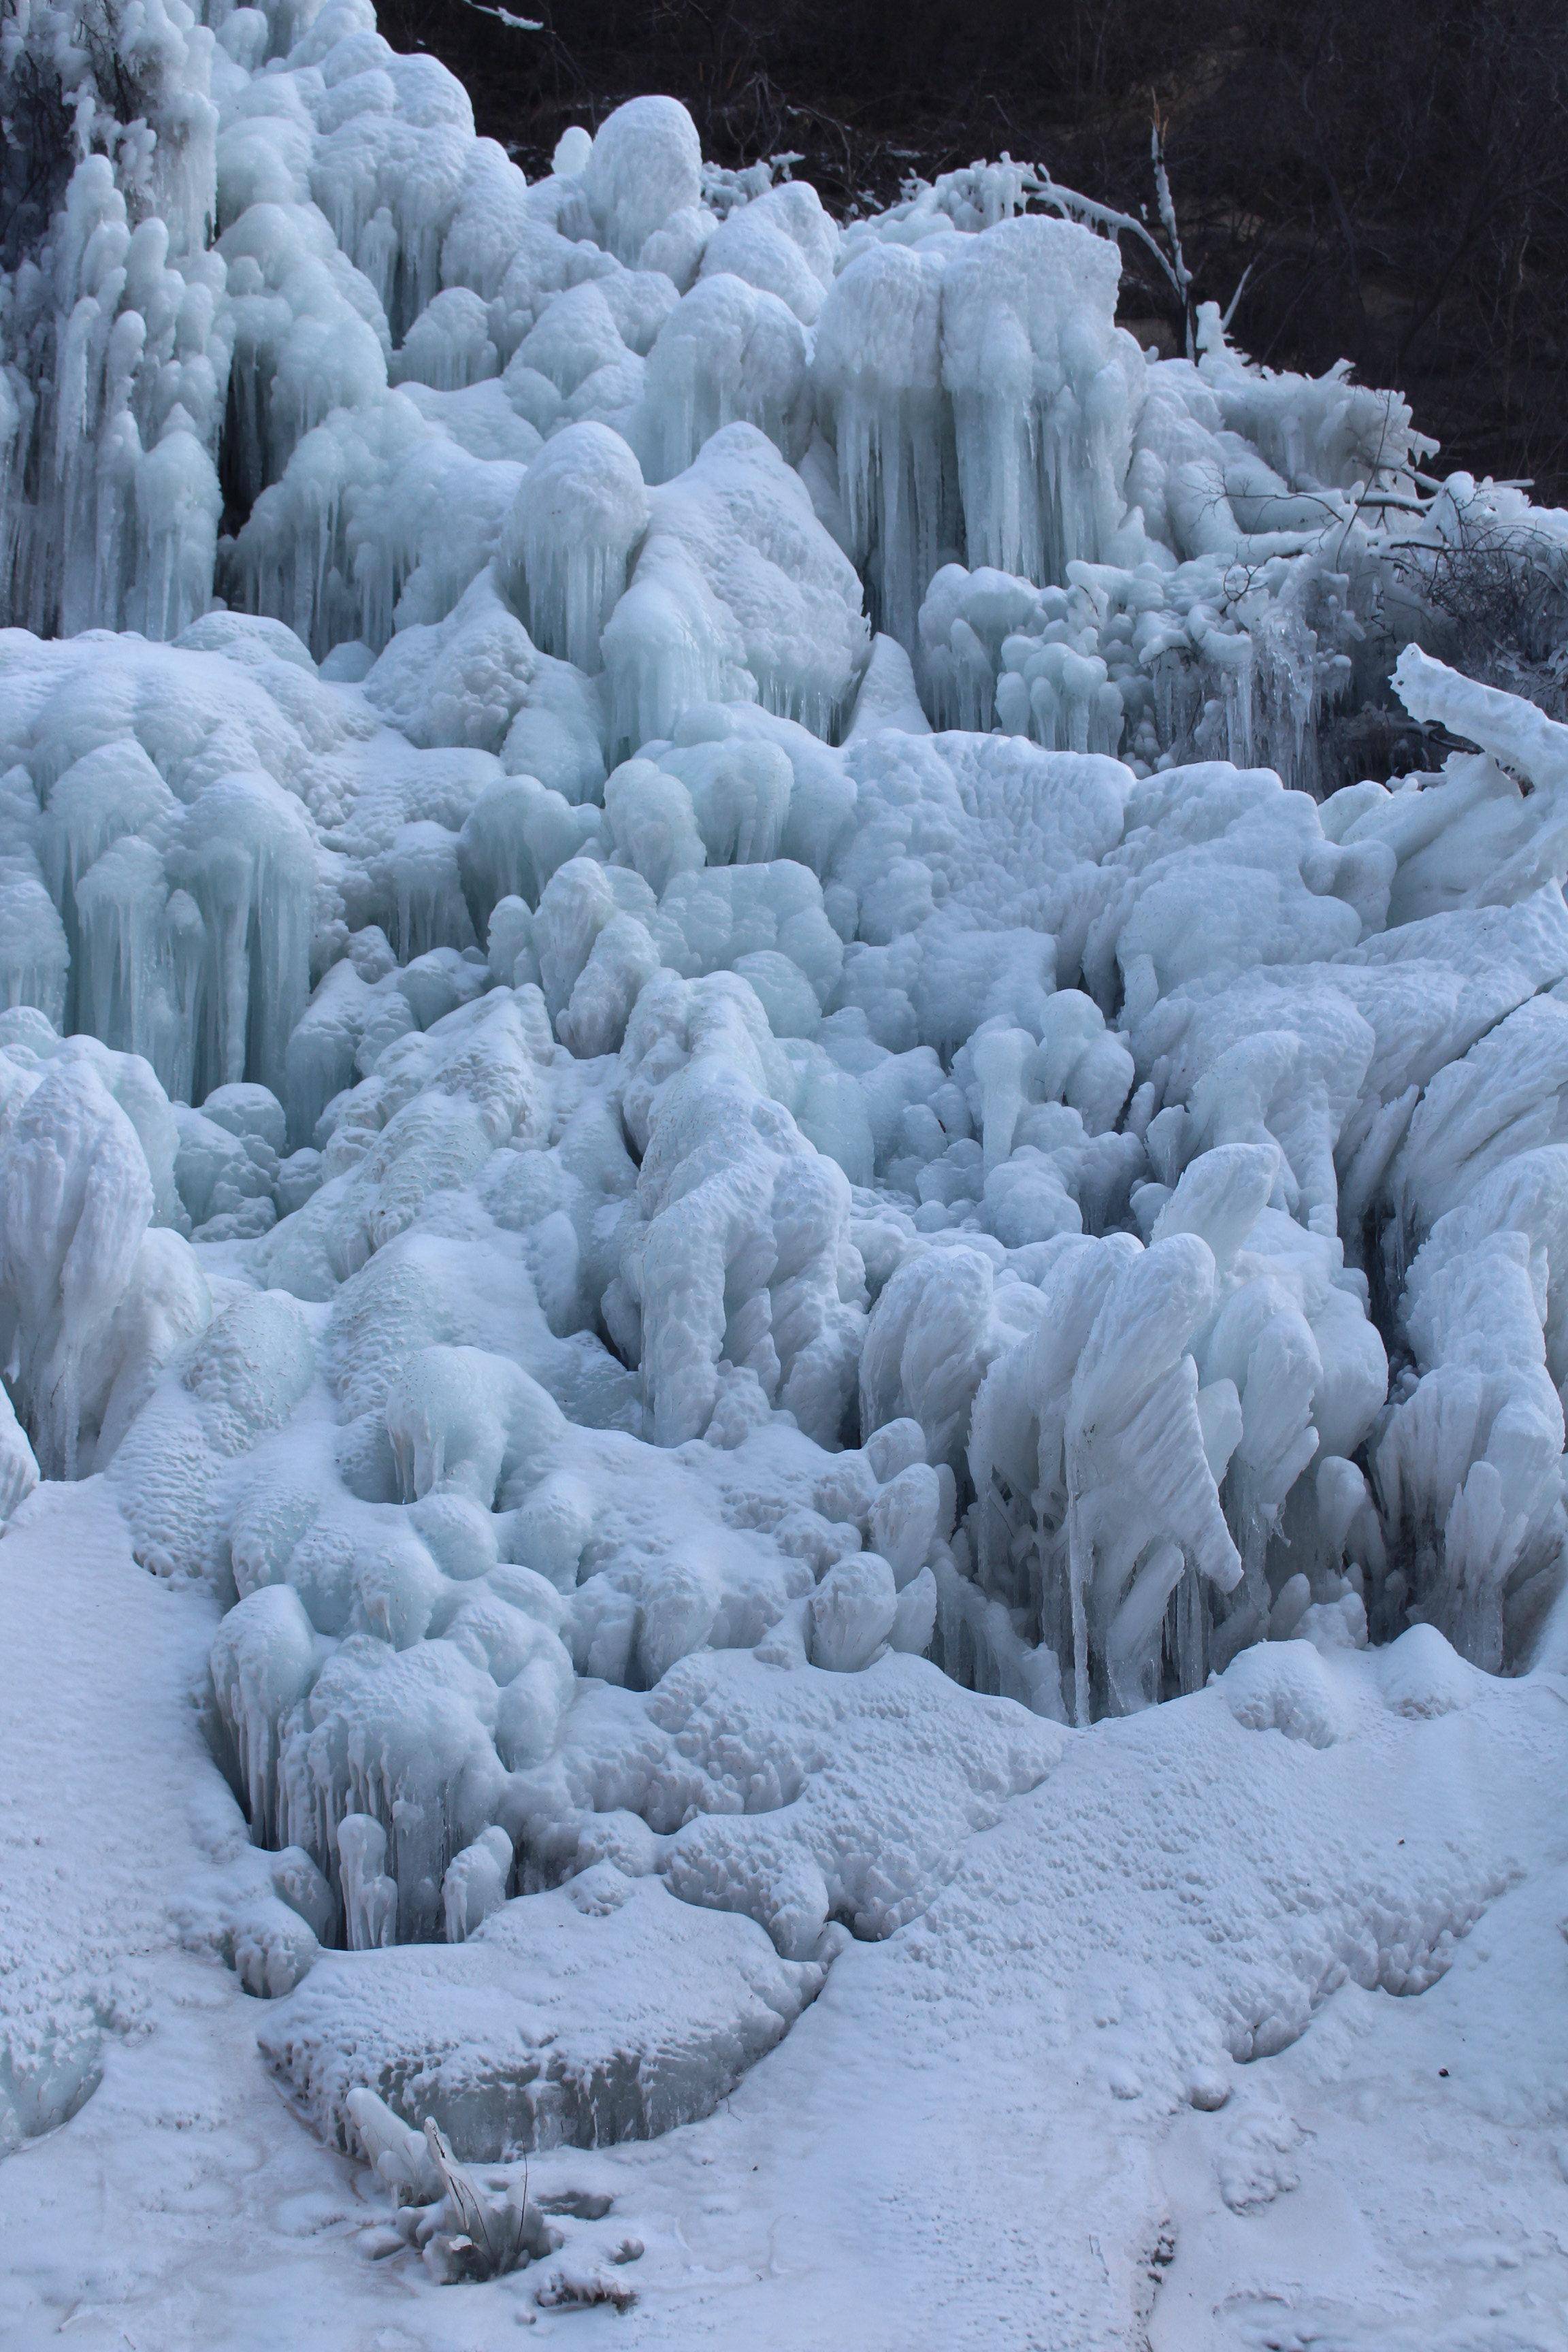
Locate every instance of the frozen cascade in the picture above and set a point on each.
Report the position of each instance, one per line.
(700, 1083)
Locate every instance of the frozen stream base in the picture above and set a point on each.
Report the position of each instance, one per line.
(983, 2133)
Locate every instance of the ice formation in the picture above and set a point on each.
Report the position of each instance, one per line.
(708, 1083)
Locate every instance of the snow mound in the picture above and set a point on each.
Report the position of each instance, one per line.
(603, 2012)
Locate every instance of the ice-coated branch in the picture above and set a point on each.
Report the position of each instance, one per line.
(1181, 276)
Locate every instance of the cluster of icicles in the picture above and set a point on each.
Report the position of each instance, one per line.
(700, 827)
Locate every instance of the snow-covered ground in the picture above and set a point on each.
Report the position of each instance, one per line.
(785, 1317)
(981, 2133)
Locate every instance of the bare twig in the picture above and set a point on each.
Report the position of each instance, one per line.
(1230, 308)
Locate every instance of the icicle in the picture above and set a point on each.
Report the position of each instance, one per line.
(476, 1884)
(246, 855)
(878, 375)
(142, 952)
(178, 504)
(1039, 395)
(263, 1664)
(74, 1202)
(568, 541)
(369, 1896)
(728, 352)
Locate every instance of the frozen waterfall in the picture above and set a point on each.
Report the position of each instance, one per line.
(706, 1070)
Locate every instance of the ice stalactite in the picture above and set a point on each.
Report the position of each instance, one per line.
(388, 176)
(247, 858)
(112, 791)
(1042, 390)
(741, 1271)
(448, 347)
(78, 1200)
(1099, 1509)
(264, 1660)
(729, 352)
(476, 1884)
(35, 958)
(1154, 664)
(392, 1746)
(781, 625)
(1469, 1469)
(370, 1896)
(18, 1463)
(142, 962)
(178, 504)
(579, 516)
(876, 372)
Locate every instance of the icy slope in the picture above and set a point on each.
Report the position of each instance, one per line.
(703, 1099)
(982, 2131)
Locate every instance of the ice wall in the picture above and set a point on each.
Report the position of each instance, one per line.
(293, 349)
(687, 1017)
